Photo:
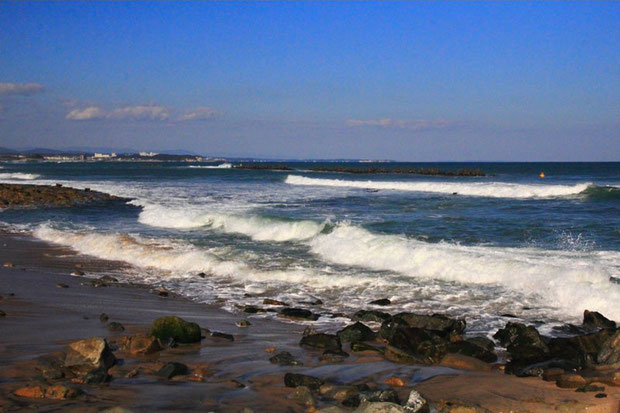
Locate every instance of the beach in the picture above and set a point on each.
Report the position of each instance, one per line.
(42, 318)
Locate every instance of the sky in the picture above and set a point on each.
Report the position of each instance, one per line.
(410, 81)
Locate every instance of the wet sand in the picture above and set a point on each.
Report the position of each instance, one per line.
(42, 318)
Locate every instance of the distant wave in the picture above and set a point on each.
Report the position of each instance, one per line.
(483, 189)
(220, 166)
(256, 227)
(18, 176)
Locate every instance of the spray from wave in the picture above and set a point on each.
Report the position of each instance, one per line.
(482, 189)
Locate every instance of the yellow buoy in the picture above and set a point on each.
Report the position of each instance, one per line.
(542, 175)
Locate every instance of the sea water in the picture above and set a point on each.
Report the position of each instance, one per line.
(504, 247)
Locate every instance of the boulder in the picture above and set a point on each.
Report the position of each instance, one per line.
(60, 392)
(252, 309)
(420, 345)
(31, 392)
(484, 342)
(321, 341)
(355, 333)
(372, 396)
(298, 314)
(225, 336)
(269, 301)
(416, 403)
(171, 369)
(583, 350)
(284, 358)
(381, 302)
(468, 348)
(570, 381)
(115, 326)
(303, 396)
(141, 344)
(371, 315)
(438, 324)
(296, 380)
(524, 343)
(593, 320)
(93, 352)
(610, 350)
(173, 327)
(97, 376)
(331, 356)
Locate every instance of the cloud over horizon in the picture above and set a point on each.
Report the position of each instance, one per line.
(415, 125)
(25, 89)
(147, 112)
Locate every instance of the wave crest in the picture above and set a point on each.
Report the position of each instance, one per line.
(19, 176)
(482, 189)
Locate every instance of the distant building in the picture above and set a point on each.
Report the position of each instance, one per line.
(104, 155)
(148, 154)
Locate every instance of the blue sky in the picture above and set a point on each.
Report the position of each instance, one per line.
(419, 81)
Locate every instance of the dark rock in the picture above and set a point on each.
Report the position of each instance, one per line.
(471, 349)
(284, 358)
(600, 395)
(61, 392)
(141, 344)
(360, 347)
(593, 320)
(2, 313)
(583, 350)
(202, 274)
(331, 356)
(61, 285)
(108, 279)
(176, 328)
(314, 301)
(163, 293)
(269, 301)
(524, 344)
(303, 396)
(383, 301)
(371, 315)
(115, 326)
(321, 341)
(97, 376)
(225, 336)
(388, 395)
(548, 368)
(252, 309)
(590, 388)
(78, 273)
(355, 333)
(298, 313)
(437, 323)
(484, 342)
(610, 350)
(243, 323)
(171, 369)
(416, 345)
(103, 317)
(296, 380)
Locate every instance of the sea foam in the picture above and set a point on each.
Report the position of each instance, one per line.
(482, 189)
(566, 280)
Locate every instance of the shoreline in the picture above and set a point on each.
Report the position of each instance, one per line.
(44, 320)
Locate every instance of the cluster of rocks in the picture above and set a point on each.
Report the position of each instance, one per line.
(45, 195)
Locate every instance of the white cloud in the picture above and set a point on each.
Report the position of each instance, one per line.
(416, 125)
(200, 113)
(140, 112)
(91, 112)
(8, 88)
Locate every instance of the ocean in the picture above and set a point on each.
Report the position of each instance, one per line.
(510, 246)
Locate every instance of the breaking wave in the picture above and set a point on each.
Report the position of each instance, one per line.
(482, 189)
(567, 280)
(18, 176)
(220, 166)
(256, 227)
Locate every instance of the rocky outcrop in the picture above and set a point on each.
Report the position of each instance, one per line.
(173, 327)
(44, 195)
(90, 353)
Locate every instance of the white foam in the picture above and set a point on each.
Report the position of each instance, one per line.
(18, 176)
(567, 280)
(256, 227)
(484, 189)
(220, 166)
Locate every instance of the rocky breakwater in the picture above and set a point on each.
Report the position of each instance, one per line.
(12, 195)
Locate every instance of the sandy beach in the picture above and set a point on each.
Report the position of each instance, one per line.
(47, 308)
